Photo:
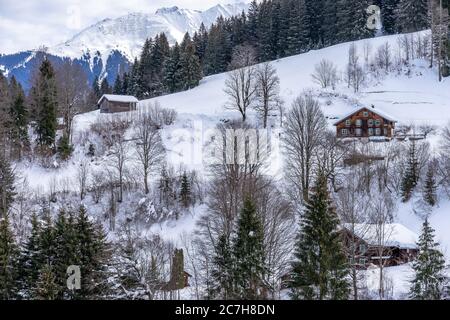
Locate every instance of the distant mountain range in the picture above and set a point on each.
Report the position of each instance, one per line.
(110, 45)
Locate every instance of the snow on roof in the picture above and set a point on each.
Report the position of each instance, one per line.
(372, 109)
(118, 98)
(395, 235)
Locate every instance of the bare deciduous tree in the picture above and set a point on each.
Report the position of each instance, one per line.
(325, 74)
(305, 129)
(73, 92)
(240, 85)
(149, 147)
(383, 57)
(82, 178)
(355, 72)
(268, 88)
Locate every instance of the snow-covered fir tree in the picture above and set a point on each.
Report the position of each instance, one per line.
(429, 281)
(320, 269)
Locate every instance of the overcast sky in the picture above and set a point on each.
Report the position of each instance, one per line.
(28, 24)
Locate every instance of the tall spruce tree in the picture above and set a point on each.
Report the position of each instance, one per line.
(185, 192)
(118, 87)
(248, 254)
(7, 188)
(429, 268)
(92, 254)
(429, 189)
(222, 270)
(8, 261)
(173, 78)
(96, 88)
(45, 102)
(19, 118)
(30, 263)
(320, 268)
(191, 71)
(411, 174)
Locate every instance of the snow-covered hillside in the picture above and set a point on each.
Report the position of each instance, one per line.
(127, 34)
(411, 95)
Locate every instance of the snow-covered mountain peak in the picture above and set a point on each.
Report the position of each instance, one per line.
(128, 33)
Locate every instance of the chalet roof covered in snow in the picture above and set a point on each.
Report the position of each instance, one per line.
(118, 98)
(371, 109)
(395, 235)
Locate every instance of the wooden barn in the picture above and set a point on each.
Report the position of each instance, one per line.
(396, 245)
(366, 123)
(111, 103)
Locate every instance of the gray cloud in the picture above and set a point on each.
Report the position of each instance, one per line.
(30, 24)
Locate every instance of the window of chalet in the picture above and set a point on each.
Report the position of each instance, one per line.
(370, 122)
(377, 123)
(358, 132)
(359, 123)
(344, 132)
(385, 131)
(365, 114)
(377, 131)
(370, 131)
(362, 261)
(348, 122)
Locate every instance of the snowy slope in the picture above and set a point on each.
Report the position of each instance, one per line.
(127, 34)
(415, 97)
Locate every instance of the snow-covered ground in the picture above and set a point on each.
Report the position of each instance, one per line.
(415, 98)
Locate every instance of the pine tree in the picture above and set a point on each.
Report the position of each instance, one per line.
(388, 16)
(412, 15)
(222, 271)
(429, 268)
(299, 30)
(185, 192)
(30, 261)
(191, 71)
(46, 287)
(172, 67)
(45, 102)
(66, 251)
(104, 87)
(64, 148)
(8, 261)
(159, 55)
(411, 174)
(7, 189)
(118, 86)
(248, 254)
(429, 190)
(46, 240)
(96, 88)
(320, 268)
(19, 118)
(92, 255)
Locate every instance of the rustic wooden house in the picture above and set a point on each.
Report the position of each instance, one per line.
(366, 123)
(396, 245)
(111, 103)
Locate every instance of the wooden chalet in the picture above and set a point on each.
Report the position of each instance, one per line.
(111, 103)
(366, 123)
(396, 246)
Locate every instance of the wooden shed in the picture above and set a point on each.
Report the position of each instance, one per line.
(390, 245)
(111, 103)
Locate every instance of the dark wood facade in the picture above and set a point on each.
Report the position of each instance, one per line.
(115, 104)
(365, 123)
(367, 254)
